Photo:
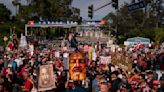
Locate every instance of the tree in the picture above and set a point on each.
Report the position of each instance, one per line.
(48, 9)
(52, 9)
(159, 35)
(4, 13)
(135, 23)
(25, 12)
(16, 3)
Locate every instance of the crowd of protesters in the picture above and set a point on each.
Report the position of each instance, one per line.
(19, 69)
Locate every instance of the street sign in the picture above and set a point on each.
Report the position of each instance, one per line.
(136, 6)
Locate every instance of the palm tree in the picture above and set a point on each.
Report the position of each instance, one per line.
(16, 3)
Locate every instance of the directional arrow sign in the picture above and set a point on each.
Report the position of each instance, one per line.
(136, 6)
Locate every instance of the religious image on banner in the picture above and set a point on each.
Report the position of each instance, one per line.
(46, 79)
(77, 67)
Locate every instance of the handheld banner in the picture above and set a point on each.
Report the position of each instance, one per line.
(105, 59)
(77, 67)
(46, 78)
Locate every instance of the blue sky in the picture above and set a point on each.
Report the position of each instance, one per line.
(82, 5)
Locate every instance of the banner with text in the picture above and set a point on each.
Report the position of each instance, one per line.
(105, 59)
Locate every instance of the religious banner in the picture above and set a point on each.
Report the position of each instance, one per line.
(105, 59)
(46, 79)
(77, 67)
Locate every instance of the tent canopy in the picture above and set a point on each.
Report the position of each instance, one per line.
(138, 39)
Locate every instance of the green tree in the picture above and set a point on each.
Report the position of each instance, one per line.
(4, 13)
(135, 23)
(52, 9)
(48, 9)
(25, 12)
(159, 35)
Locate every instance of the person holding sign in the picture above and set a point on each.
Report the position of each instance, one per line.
(77, 66)
(46, 78)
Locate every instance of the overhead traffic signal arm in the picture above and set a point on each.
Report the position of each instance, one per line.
(91, 10)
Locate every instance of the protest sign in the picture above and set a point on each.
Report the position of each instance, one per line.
(121, 60)
(46, 79)
(57, 54)
(77, 68)
(105, 59)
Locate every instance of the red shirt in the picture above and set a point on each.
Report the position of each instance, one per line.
(4, 72)
(22, 70)
(10, 46)
(27, 84)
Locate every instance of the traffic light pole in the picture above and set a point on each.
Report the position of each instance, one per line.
(115, 5)
(103, 6)
(91, 10)
(116, 26)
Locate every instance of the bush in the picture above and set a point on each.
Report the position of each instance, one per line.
(159, 35)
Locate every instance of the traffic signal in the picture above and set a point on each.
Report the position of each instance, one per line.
(90, 11)
(115, 4)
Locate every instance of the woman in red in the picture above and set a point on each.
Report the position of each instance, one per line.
(27, 82)
(10, 46)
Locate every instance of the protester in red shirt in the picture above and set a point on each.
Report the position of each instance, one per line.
(27, 82)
